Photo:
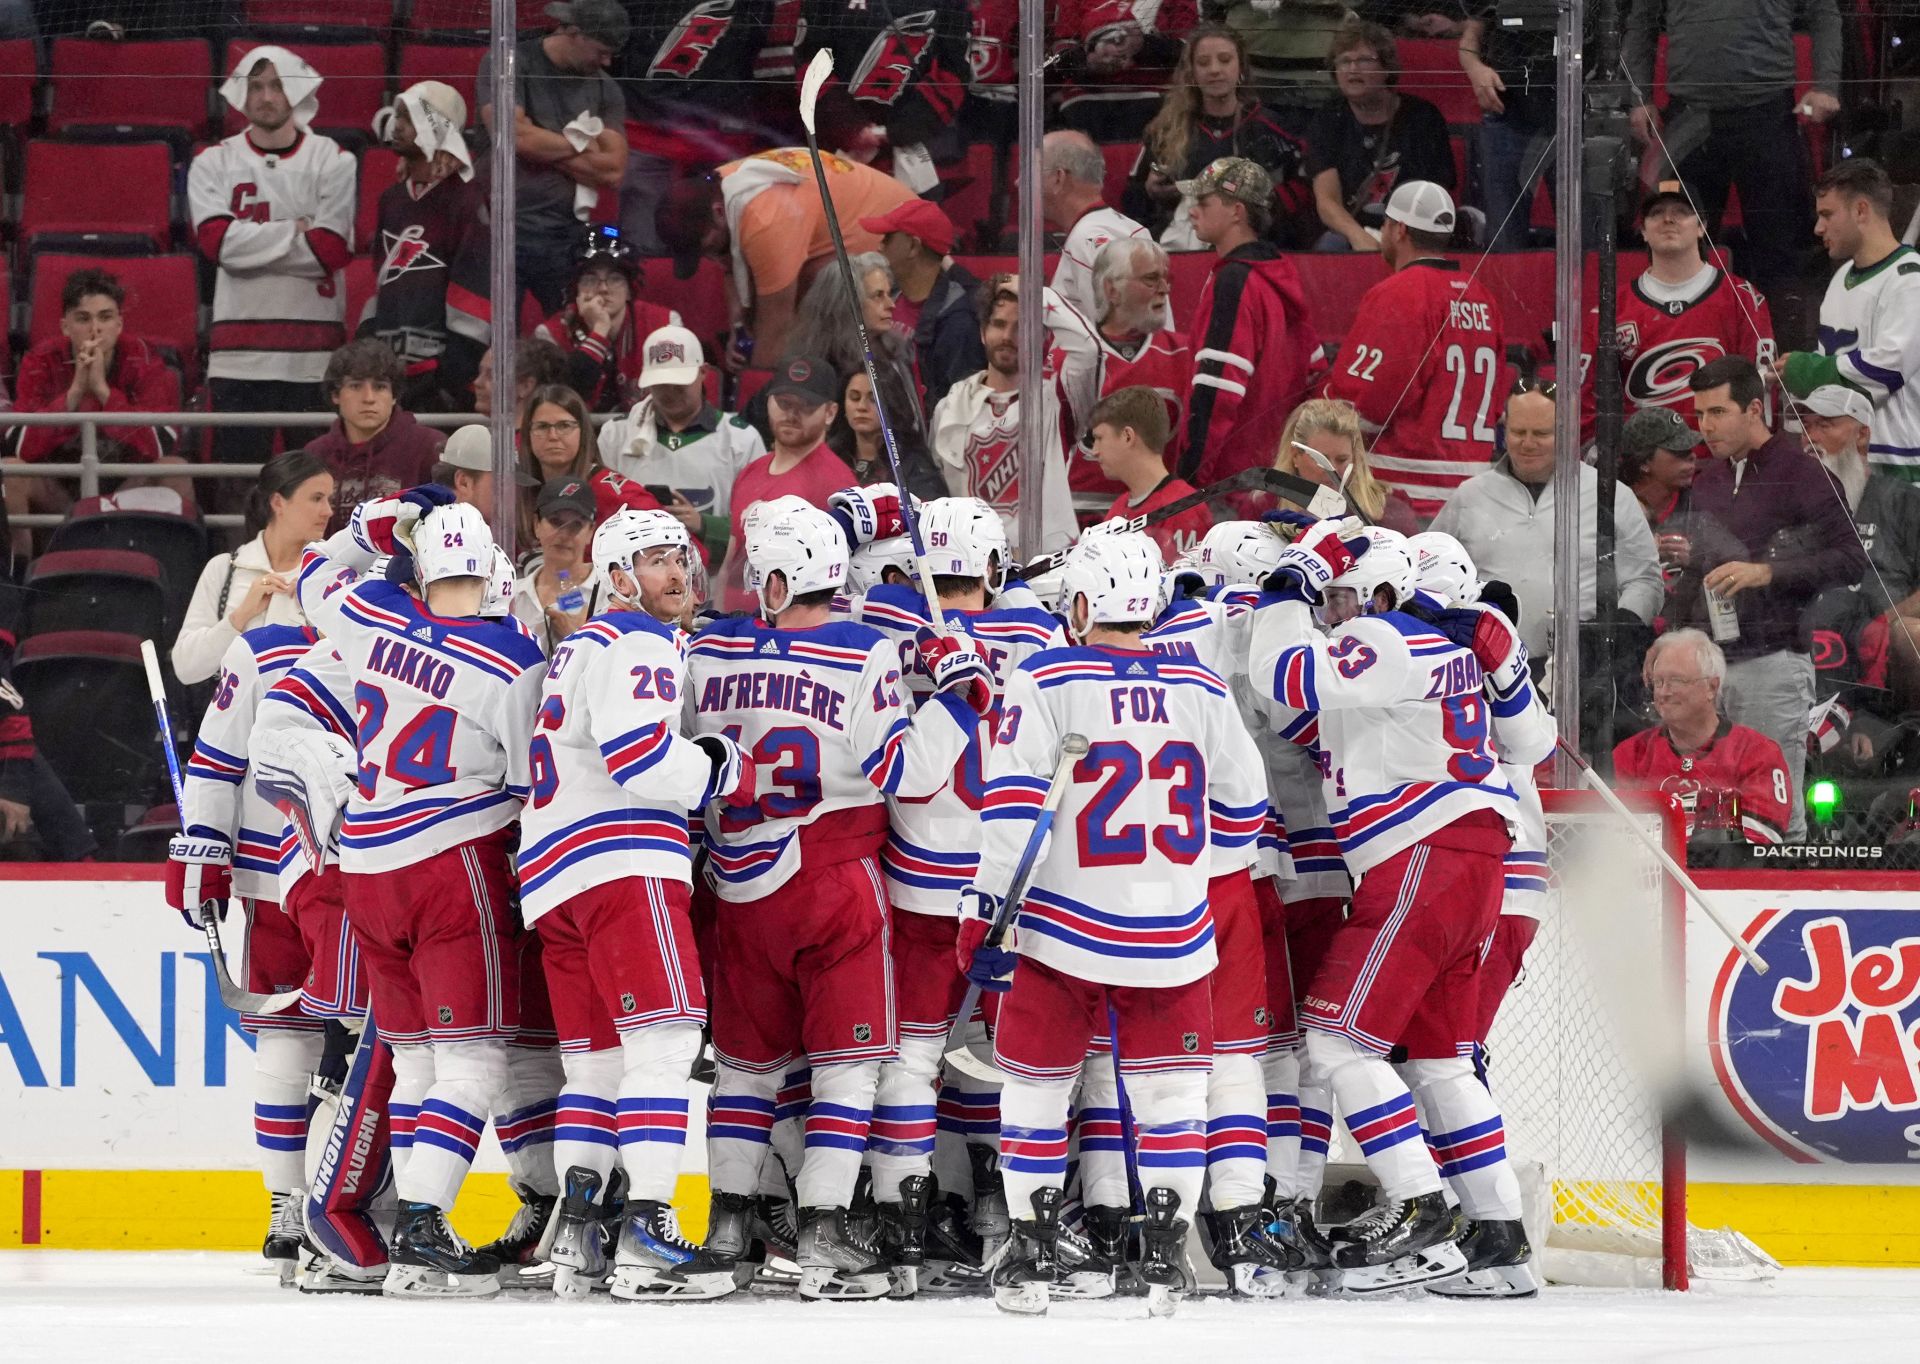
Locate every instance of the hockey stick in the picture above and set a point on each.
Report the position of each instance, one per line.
(1072, 748)
(239, 1000)
(1348, 506)
(1129, 1139)
(1673, 868)
(816, 76)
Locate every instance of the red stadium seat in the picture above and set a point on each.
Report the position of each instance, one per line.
(127, 85)
(108, 197)
(455, 63)
(92, 717)
(359, 16)
(353, 84)
(700, 301)
(1121, 157)
(377, 166)
(360, 285)
(96, 589)
(163, 300)
(967, 206)
(19, 73)
(471, 16)
(1430, 68)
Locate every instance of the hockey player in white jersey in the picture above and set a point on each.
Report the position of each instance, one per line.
(606, 880)
(802, 957)
(1115, 921)
(230, 846)
(444, 708)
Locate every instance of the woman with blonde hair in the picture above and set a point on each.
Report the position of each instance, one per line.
(1332, 427)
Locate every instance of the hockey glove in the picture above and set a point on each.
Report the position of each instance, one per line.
(199, 877)
(1180, 584)
(1499, 651)
(1305, 567)
(954, 665)
(1502, 599)
(989, 967)
(733, 771)
(867, 514)
(374, 524)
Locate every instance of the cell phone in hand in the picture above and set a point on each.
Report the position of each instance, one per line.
(660, 493)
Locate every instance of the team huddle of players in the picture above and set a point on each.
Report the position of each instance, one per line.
(1282, 848)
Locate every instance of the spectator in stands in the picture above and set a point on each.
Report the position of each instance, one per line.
(431, 285)
(1289, 51)
(1730, 118)
(824, 327)
(1657, 461)
(934, 305)
(1072, 173)
(92, 366)
(1209, 112)
(902, 80)
(1770, 531)
(1332, 426)
(374, 447)
(803, 400)
(1514, 74)
(855, 437)
(536, 364)
(557, 441)
(675, 441)
(1128, 432)
(272, 208)
(288, 506)
(1251, 309)
(466, 466)
(569, 135)
(1725, 775)
(1370, 140)
(1505, 518)
(557, 594)
(601, 328)
(1112, 59)
(781, 240)
(33, 801)
(1870, 318)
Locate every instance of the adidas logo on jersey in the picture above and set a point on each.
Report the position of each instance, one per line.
(770, 647)
(424, 632)
(1135, 670)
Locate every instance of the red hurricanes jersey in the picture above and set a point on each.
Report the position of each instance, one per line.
(1662, 344)
(1088, 371)
(1175, 535)
(1424, 366)
(1739, 780)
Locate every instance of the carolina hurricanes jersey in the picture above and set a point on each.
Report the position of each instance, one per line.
(1663, 340)
(932, 852)
(826, 717)
(1088, 366)
(430, 254)
(613, 776)
(1737, 779)
(279, 294)
(900, 63)
(695, 51)
(1424, 366)
(1177, 535)
(317, 694)
(220, 802)
(993, 48)
(1404, 724)
(443, 714)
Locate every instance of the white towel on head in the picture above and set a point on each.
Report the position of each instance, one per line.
(434, 128)
(580, 135)
(299, 80)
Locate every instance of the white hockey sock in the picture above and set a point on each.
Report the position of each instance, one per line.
(1033, 1141)
(1379, 1111)
(837, 1120)
(1170, 1111)
(283, 1061)
(900, 1140)
(789, 1130)
(1281, 1070)
(739, 1127)
(652, 1112)
(583, 1127)
(412, 1078)
(1099, 1139)
(469, 1081)
(1236, 1132)
(1468, 1137)
(525, 1129)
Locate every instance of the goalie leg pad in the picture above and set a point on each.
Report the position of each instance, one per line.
(354, 1162)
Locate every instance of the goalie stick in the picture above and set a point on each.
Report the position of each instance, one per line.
(239, 1000)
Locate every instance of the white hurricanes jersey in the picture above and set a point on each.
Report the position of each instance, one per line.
(613, 773)
(1404, 725)
(220, 801)
(831, 728)
(932, 851)
(314, 694)
(1870, 324)
(443, 712)
(1121, 895)
(1073, 276)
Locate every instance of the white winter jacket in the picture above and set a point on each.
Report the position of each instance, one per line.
(206, 631)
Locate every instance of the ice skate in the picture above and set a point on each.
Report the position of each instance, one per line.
(286, 1236)
(429, 1260)
(953, 1251)
(576, 1246)
(1023, 1274)
(522, 1265)
(325, 1274)
(1399, 1245)
(777, 1229)
(1251, 1247)
(1163, 1265)
(655, 1263)
(990, 1218)
(1316, 1273)
(903, 1234)
(835, 1263)
(1499, 1264)
(1089, 1258)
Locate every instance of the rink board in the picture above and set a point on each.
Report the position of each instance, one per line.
(125, 1082)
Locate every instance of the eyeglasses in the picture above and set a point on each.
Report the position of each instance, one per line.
(1660, 684)
(566, 428)
(1546, 388)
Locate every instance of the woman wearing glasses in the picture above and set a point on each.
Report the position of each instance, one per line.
(556, 441)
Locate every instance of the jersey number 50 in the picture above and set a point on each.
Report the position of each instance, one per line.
(1119, 768)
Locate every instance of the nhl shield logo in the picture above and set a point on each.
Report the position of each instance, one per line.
(626, 1002)
(446, 1013)
(862, 1032)
(1262, 1017)
(1190, 1041)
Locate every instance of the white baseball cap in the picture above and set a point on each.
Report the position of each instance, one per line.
(1424, 207)
(1837, 400)
(672, 355)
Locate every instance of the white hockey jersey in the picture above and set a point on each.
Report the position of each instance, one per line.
(700, 463)
(613, 773)
(317, 694)
(932, 852)
(443, 714)
(975, 436)
(1121, 895)
(220, 801)
(1073, 276)
(279, 296)
(1870, 329)
(832, 732)
(1524, 735)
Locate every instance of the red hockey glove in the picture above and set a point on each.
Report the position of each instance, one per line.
(199, 877)
(733, 771)
(954, 665)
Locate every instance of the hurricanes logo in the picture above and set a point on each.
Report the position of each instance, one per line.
(989, 56)
(863, 1032)
(1659, 376)
(407, 251)
(693, 40)
(884, 72)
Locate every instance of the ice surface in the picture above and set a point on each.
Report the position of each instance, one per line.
(208, 1308)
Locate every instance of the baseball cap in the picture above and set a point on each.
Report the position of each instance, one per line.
(1667, 191)
(604, 21)
(1232, 177)
(919, 218)
(1424, 207)
(1837, 400)
(671, 355)
(565, 494)
(808, 376)
(1658, 428)
(471, 448)
(680, 221)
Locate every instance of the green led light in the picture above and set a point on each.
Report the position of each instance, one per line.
(1822, 798)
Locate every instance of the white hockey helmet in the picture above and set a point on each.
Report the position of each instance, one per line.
(1386, 564)
(763, 511)
(1119, 575)
(867, 568)
(963, 536)
(452, 542)
(623, 537)
(1236, 552)
(805, 546)
(499, 599)
(1442, 567)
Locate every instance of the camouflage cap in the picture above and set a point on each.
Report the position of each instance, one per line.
(1232, 177)
(1658, 428)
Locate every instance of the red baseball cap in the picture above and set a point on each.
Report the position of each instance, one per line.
(918, 218)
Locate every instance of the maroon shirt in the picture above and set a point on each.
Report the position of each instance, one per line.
(401, 456)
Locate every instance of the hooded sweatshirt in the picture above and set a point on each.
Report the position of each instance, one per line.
(1253, 345)
(401, 456)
